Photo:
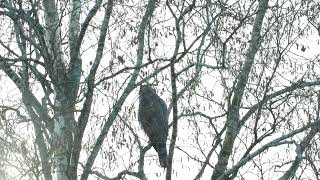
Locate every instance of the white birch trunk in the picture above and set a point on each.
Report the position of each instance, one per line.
(60, 159)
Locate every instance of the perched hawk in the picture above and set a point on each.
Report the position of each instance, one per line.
(152, 116)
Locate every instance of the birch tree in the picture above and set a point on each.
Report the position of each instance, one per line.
(240, 78)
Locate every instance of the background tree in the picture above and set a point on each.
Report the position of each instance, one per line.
(241, 80)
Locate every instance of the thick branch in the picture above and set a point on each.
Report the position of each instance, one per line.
(56, 67)
(31, 98)
(85, 111)
(85, 24)
(127, 90)
(304, 144)
(74, 71)
(234, 107)
(273, 143)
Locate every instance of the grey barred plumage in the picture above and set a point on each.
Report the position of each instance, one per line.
(152, 115)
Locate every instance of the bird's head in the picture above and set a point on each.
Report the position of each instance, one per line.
(145, 89)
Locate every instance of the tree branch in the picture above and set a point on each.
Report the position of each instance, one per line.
(145, 20)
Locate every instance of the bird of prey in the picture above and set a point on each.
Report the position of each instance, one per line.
(152, 115)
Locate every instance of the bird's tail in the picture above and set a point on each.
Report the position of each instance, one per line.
(162, 153)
